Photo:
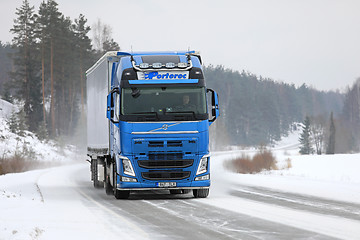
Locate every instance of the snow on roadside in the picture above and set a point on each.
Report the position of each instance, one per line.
(335, 177)
(20, 201)
(328, 176)
(29, 145)
(24, 214)
(44, 204)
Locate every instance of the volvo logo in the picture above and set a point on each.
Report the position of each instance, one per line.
(164, 127)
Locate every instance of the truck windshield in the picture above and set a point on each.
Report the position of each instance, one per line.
(164, 103)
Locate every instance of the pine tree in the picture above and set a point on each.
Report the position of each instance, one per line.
(110, 45)
(65, 55)
(49, 33)
(43, 34)
(16, 122)
(331, 144)
(83, 49)
(26, 64)
(305, 139)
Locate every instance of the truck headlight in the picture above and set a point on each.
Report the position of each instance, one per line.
(128, 169)
(203, 165)
(127, 179)
(201, 178)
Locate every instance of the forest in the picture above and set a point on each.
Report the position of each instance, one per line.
(258, 111)
(44, 69)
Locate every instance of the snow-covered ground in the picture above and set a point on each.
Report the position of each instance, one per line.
(331, 177)
(29, 145)
(50, 204)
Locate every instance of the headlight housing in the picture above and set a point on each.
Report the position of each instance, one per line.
(201, 178)
(127, 166)
(127, 179)
(203, 165)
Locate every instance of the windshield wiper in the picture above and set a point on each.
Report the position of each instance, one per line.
(184, 112)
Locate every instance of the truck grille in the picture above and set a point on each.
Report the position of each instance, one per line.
(156, 144)
(165, 155)
(160, 144)
(166, 163)
(159, 175)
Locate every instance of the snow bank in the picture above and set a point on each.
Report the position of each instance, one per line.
(44, 204)
(327, 176)
(29, 145)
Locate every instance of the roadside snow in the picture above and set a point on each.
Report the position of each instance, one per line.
(41, 205)
(29, 146)
(24, 213)
(329, 176)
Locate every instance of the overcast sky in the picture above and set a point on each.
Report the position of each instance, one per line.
(316, 42)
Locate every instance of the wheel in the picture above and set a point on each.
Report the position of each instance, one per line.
(108, 188)
(201, 193)
(175, 191)
(94, 167)
(119, 194)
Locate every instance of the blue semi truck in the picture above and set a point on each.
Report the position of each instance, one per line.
(148, 118)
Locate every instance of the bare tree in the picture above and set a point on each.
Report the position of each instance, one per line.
(101, 34)
(318, 133)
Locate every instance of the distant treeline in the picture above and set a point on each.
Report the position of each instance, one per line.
(258, 111)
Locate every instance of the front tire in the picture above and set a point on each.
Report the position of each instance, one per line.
(119, 194)
(201, 193)
(108, 187)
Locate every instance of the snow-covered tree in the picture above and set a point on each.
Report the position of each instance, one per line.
(305, 138)
(26, 72)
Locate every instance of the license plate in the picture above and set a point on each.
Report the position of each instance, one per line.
(166, 184)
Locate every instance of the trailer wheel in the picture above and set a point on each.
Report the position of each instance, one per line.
(201, 193)
(97, 184)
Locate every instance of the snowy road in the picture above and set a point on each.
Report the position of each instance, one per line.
(158, 215)
(300, 202)
(61, 203)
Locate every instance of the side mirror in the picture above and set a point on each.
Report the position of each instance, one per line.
(215, 113)
(112, 105)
